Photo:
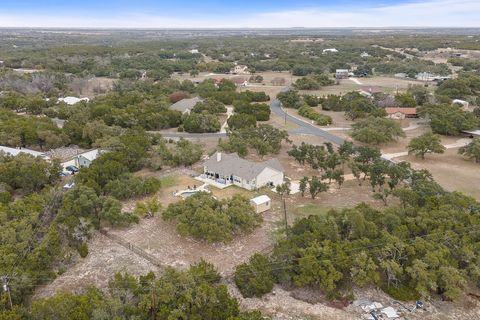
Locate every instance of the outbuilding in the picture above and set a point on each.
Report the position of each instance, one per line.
(261, 203)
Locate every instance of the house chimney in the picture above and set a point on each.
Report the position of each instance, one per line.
(219, 156)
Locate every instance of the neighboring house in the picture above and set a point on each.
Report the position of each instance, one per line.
(16, 151)
(261, 203)
(342, 73)
(240, 68)
(278, 81)
(229, 169)
(426, 76)
(472, 133)
(364, 55)
(240, 81)
(401, 113)
(86, 159)
(331, 50)
(194, 51)
(369, 91)
(72, 100)
(465, 105)
(185, 105)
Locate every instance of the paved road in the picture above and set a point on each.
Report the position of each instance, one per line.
(304, 127)
(191, 135)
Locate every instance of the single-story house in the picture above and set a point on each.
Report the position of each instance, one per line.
(368, 91)
(364, 55)
(331, 50)
(472, 133)
(342, 73)
(465, 104)
(239, 68)
(185, 105)
(401, 113)
(73, 100)
(229, 169)
(261, 203)
(194, 51)
(240, 81)
(86, 159)
(427, 76)
(16, 151)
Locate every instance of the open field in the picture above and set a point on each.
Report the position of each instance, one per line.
(451, 171)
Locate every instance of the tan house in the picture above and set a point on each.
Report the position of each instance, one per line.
(240, 69)
(261, 203)
(401, 113)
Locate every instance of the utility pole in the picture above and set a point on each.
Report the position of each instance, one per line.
(285, 217)
(6, 288)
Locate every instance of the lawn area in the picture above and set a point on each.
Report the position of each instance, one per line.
(168, 181)
(305, 210)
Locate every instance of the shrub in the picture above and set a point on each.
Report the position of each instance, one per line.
(254, 278)
(320, 119)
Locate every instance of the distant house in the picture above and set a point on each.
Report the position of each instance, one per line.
(364, 55)
(368, 91)
(426, 76)
(472, 133)
(16, 151)
(240, 81)
(465, 105)
(331, 50)
(194, 51)
(401, 113)
(185, 105)
(86, 159)
(342, 73)
(278, 81)
(261, 203)
(240, 69)
(72, 100)
(229, 169)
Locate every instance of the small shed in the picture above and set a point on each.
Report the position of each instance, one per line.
(261, 203)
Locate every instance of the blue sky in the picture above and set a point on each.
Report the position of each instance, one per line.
(247, 13)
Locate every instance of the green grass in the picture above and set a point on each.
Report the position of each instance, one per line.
(308, 209)
(168, 181)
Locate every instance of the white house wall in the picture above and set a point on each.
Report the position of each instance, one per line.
(269, 175)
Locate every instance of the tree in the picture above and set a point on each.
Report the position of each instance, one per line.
(148, 208)
(254, 278)
(471, 150)
(283, 189)
(315, 186)
(241, 120)
(201, 123)
(290, 99)
(426, 143)
(375, 131)
(303, 185)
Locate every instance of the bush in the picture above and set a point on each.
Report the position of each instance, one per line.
(83, 249)
(255, 278)
(204, 217)
(201, 123)
(128, 186)
(320, 119)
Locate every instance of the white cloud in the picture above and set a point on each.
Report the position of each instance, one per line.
(427, 13)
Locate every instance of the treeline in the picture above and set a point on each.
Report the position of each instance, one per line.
(425, 246)
(195, 293)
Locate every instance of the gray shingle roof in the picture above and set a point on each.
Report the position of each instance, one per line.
(185, 104)
(232, 164)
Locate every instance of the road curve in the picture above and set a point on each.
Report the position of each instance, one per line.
(303, 126)
(187, 135)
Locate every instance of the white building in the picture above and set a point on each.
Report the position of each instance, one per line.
(72, 100)
(16, 151)
(194, 51)
(86, 159)
(240, 69)
(229, 169)
(331, 50)
(261, 203)
(342, 73)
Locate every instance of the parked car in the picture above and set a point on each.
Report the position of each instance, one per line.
(72, 169)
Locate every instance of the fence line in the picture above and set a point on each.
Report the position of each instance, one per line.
(134, 248)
